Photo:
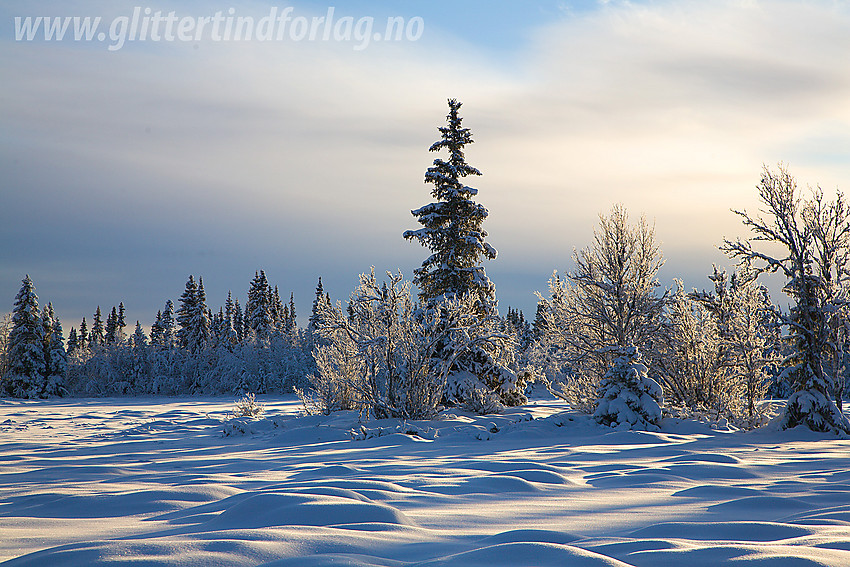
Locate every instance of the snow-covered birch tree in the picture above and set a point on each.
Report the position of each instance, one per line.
(814, 236)
(609, 302)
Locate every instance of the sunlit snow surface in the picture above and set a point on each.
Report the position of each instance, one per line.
(147, 482)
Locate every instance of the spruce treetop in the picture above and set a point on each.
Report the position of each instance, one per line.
(452, 225)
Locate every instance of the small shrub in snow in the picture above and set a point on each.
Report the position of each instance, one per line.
(331, 388)
(719, 419)
(482, 401)
(247, 406)
(628, 397)
(238, 426)
(813, 409)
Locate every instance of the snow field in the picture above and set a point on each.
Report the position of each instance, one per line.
(158, 482)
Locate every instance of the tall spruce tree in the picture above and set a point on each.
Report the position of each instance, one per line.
(157, 331)
(97, 336)
(238, 321)
(314, 313)
(193, 317)
(187, 312)
(25, 377)
(200, 327)
(452, 231)
(452, 225)
(73, 340)
(84, 334)
(291, 324)
(168, 325)
(112, 327)
(56, 359)
(122, 321)
(230, 337)
(259, 309)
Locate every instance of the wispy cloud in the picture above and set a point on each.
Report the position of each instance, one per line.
(306, 158)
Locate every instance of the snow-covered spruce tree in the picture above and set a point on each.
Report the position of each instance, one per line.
(290, 326)
(112, 327)
(628, 397)
(199, 335)
(186, 311)
(140, 371)
(806, 230)
(193, 318)
(519, 329)
(230, 337)
(157, 339)
(452, 231)
(55, 357)
(97, 337)
(238, 321)
(169, 326)
(452, 225)
(83, 342)
(258, 309)
(607, 302)
(121, 321)
(73, 341)
(25, 376)
(310, 335)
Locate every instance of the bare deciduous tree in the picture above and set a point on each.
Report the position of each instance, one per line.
(609, 300)
(814, 238)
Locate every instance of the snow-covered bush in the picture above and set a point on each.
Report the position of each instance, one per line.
(383, 353)
(558, 360)
(330, 387)
(750, 331)
(248, 406)
(376, 353)
(478, 399)
(719, 347)
(695, 365)
(628, 397)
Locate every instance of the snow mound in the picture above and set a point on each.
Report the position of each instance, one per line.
(527, 554)
(267, 510)
(731, 531)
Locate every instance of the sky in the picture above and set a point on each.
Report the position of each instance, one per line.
(128, 167)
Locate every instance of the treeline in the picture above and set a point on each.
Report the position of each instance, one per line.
(190, 350)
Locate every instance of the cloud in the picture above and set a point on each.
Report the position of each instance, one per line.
(671, 108)
(306, 158)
